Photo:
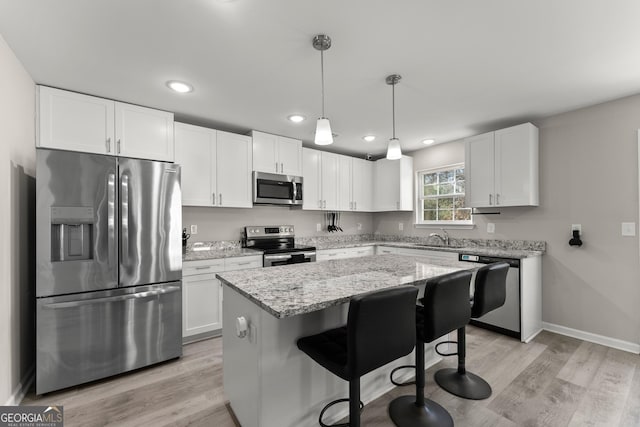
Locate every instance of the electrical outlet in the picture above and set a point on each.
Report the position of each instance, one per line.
(318, 227)
(628, 228)
(359, 226)
(576, 227)
(491, 227)
(401, 226)
(194, 229)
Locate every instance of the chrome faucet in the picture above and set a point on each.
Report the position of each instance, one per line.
(445, 238)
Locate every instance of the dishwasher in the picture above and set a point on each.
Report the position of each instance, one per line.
(505, 319)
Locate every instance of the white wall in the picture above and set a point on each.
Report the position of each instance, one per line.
(226, 223)
(17, 193)
(588, 176)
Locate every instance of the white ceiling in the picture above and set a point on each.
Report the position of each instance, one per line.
(468, 66)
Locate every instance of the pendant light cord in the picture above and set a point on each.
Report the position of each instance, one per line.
(322, 78)
(393, 108)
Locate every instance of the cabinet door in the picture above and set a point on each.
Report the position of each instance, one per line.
(479, 170)
(329, 186)
(290, 156)
(265, 152)
(311, 196)
(345, 202)
(75, 122)
(201, 304)
(516, 166)
(386, 194)
(143, 133)
(195, 153)
(233, 170)
(362, 185)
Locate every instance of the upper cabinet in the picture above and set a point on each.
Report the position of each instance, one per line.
(393, 185)
(216, 167)
(362, 185)
(77, 122)
(276, 154)
(320, 180)
(501, 168)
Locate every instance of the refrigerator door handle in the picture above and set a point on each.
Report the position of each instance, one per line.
(124, 216)
(111, 217)
(137, 295)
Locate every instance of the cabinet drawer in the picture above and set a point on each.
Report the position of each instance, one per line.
(190, 268)
(242, 263)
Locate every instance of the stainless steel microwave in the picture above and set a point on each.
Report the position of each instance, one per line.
(276, 189)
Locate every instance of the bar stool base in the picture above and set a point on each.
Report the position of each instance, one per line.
(404, 412)
(467, 385)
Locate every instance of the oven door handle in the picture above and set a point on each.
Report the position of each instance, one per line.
(277, 257)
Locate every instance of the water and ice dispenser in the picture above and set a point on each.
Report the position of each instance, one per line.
(72, 233)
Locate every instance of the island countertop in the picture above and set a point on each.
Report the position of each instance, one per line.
(303, 288)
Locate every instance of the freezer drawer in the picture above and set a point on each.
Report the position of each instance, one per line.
(85, 337)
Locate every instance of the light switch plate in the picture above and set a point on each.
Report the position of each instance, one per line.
(491, 227)
(401, 226)
(628, 228)
(194, 229)
(318, 227)
(359, 226)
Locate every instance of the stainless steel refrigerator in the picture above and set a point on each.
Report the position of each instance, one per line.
(109, 266)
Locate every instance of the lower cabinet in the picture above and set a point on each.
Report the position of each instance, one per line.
(202, 294)
(329, 254)
(435, 254)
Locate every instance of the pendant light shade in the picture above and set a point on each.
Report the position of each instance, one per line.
(324, 136)
(394, 152)
(323, 132)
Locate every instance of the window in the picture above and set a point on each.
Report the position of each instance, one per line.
(441, 196)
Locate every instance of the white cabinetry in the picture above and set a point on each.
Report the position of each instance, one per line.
(362, 185)
(501, 167)
(77, 122)
(276, 154)
(345, 200)
(393, 185)
(202, 293)
(433, 254)
(320, 174)
(343, 253)
(216, 167)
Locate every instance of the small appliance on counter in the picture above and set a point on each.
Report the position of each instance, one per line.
(278, 244)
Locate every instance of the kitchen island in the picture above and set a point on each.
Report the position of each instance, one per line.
(268, 381)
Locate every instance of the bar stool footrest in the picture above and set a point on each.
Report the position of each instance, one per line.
(394, 382)
(467, 385)
(330, 404)
(404, 412)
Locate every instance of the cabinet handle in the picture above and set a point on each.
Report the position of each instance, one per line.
(214, 198)
(497, 199)
(203, 268)
(108, 145)
(276, 167)
(243, 263)
(350, 205)
(490, 199)
(220, 199)
(281, 167)
(332, 254)
(118, 146)
(324, 204)
(320, 204)
(398, 205)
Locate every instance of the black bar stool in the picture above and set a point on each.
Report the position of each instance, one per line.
(445, 309)
(489, 294)
(380, 329)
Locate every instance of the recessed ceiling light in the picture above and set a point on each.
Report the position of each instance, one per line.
(428, 141)
(369, 138)
(180, 87)
(296, 118)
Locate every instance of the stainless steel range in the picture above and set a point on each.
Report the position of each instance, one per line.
(278, 244)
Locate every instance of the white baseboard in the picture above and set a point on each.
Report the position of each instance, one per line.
(22, 388)
(594, 338)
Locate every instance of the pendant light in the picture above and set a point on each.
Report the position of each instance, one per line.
(324, 136)
(393, 149)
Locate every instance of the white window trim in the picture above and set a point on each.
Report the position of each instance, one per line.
(418, 206)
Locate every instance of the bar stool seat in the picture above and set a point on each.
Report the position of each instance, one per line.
(380, 329)
(445, 308)
(489, 294)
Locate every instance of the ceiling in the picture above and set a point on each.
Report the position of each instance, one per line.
(467, 66)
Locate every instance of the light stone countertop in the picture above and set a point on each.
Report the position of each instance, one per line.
(216, 253)
(303, 288)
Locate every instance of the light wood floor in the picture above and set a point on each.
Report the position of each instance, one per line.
(552, 381)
